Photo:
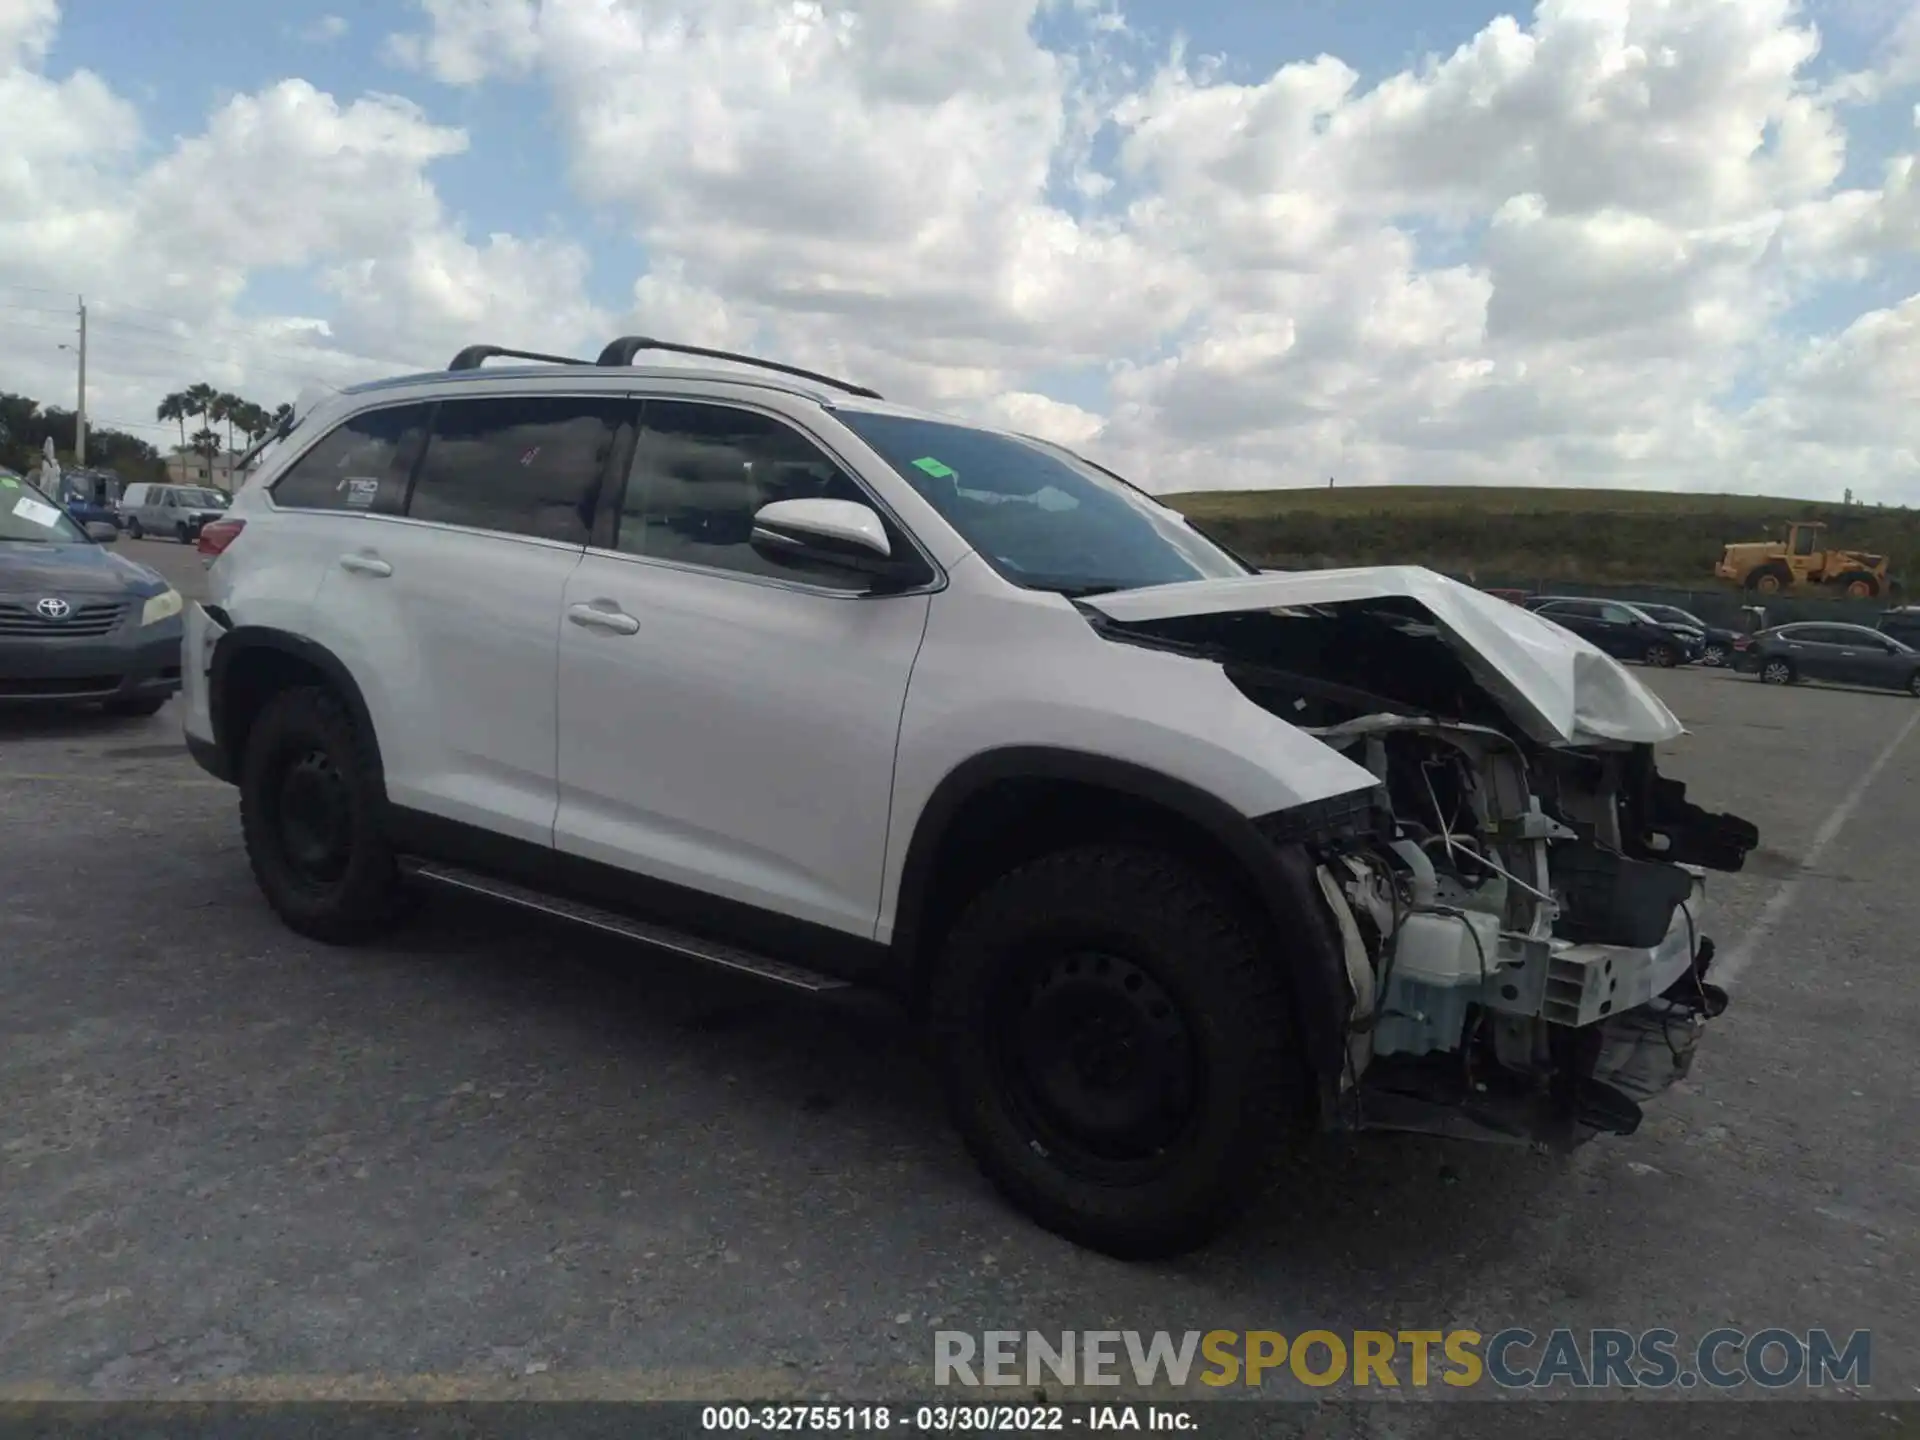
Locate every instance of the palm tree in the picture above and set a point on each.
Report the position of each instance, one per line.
(206, 443)
(200, 399)
(226, 411)
(174, 407)
(254, 421)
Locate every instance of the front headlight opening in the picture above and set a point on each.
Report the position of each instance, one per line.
(160, 607)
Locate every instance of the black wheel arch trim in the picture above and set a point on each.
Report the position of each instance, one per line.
(248, 639)
(1273, 852)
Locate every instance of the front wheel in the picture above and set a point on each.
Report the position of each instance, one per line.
(182, 534)
(310, 804)
(1117, 1046)
(134, 532)
(1662, 655)
(1776, 672)
(1913, 684)
(1714, 655)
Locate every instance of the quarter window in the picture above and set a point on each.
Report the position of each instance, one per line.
(360, 465)
(520, 464)
(701, 472)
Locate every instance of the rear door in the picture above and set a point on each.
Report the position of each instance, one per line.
(1814, 651)
(1582, 617)
(446, 605)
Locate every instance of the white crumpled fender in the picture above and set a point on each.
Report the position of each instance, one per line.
(1555, 685)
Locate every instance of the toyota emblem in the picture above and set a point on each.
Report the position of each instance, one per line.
(53, 608)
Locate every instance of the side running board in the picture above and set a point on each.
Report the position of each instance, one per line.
(727, 957)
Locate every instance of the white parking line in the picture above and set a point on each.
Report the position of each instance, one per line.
(1727, 967)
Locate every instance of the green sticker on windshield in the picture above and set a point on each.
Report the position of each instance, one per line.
(934, 468)
(9, 482)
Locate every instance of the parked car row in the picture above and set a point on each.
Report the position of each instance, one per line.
(1883, 656)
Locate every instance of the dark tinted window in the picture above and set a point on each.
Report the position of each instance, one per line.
(1822, 635)
(1617, 614)
(1571, 609)
(520, 464)
(358, 465)
(702, 471)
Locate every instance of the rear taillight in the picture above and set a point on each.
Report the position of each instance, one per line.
(216, 536)
(1742, 642)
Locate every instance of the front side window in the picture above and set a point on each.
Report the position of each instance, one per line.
(1042, 519)
(701, 472)
(359, 466)
(519, 464)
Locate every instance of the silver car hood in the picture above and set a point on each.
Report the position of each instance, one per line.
(1556, 686)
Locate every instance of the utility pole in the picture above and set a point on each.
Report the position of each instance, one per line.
(80, 416)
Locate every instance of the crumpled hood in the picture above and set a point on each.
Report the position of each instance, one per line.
(1555, 685)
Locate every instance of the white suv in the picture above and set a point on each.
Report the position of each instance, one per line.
(1172, 856)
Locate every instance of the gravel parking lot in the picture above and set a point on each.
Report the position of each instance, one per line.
(495, 1156)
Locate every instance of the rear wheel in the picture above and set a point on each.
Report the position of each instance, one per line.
(1776, 672)
(1913, 684)
(310, 814)
(1116, 1043)
(1859, 585)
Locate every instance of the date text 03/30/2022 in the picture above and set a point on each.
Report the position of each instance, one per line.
(943, 1419)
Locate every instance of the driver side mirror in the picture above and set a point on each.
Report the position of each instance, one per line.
(833, 535)
(102, 533)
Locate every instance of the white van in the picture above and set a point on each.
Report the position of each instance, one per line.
(176, 510)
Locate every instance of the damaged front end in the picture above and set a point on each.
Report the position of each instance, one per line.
(1520, 906)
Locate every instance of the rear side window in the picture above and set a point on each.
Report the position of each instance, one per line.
(518, 464)
(360, 465)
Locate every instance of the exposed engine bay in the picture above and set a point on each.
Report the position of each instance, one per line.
(1520, 913)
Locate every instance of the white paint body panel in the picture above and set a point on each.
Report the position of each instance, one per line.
(1554, 684)
(454, 653)
(1004, 667)
(741, 741)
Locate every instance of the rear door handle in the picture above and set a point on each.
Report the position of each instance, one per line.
(366, 565)
(596, 618)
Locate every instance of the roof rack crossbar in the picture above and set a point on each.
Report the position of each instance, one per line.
(474, 356)
(622, 351)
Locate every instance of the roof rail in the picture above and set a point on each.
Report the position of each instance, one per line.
(622, 351)
(474, 356)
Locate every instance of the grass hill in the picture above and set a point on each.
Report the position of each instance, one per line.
(1529, 536)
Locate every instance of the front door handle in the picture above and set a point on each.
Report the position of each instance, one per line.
(595, 618)
(366, 565)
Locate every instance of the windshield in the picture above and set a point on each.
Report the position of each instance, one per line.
(27, 518)
(1674, 615)
(1040, 517)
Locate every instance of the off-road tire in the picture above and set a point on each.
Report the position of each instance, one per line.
(134, 532)
(1858, 585)
(134, 708)
(1772, 579)
(1777, 672)
(1211, 957)
(369, 897)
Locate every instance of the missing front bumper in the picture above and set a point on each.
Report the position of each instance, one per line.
(1562, 1044)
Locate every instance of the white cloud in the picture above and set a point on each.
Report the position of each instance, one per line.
(325, 30)
(1575, 248)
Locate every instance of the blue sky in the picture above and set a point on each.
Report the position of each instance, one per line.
(1247, 305)
(180, 61)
